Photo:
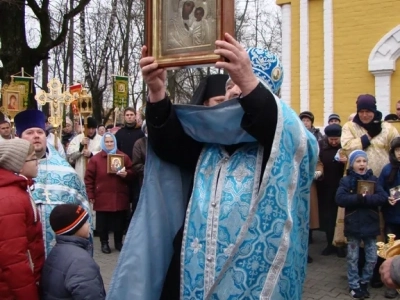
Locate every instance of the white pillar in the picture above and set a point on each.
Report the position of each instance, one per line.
(286, 90)
(383, 90)
(304, 57)
(328, 60)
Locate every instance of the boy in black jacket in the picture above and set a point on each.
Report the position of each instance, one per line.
(70, 271)
(361, 221)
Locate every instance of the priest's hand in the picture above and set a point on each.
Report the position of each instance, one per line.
(153, 76)
(91, 201)
(86, 153)
(237, 64)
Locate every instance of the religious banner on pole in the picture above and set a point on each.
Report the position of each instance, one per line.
(24, 87)
(16, 94)
(75, 90)
(121, 91)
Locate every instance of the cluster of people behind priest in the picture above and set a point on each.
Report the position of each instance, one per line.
(353, 196)
(365, 149)
(57, 195)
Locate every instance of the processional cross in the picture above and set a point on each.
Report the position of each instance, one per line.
(56, 99)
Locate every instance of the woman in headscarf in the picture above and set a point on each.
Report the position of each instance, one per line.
(109, 192)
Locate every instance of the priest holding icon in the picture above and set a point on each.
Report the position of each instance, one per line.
(224, 207)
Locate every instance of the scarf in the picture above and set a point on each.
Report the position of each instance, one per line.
(377, 117)
(355, 177)
(131, 125)
(103, 145)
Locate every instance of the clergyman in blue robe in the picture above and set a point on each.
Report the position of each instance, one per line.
(245, 227)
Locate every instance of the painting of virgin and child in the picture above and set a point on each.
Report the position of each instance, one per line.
(190, 26)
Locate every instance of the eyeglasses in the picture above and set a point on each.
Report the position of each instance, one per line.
(28, 160)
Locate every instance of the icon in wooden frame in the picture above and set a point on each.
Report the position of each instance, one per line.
(182, 33)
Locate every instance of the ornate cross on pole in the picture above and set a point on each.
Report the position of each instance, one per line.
(56, 99)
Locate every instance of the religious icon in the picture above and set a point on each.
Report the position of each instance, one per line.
(365, 187)
(121, 88)
(395, 193)
(183, 32)
(190, 25)
(276, 74)
(115, 162)
(12, 100)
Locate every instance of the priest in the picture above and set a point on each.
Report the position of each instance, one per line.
(245, 228)
(57, 182)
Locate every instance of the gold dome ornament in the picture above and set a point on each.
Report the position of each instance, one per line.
(389, 250)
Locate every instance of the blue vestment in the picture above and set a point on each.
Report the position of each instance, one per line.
(248, 239)
(56, 183)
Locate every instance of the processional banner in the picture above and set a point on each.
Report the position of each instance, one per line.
(24, 87)
(121, 91)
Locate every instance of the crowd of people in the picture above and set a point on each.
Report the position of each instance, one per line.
(230, 193)
(53, 193)
(363, 150)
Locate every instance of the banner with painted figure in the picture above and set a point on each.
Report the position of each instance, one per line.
(75, 90)
(121, 91)
(24, 87)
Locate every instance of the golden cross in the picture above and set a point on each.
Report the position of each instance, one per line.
(56, 98)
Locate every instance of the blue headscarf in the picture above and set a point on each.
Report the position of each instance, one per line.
(103, 145)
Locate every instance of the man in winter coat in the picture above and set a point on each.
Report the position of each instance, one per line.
(126, 139)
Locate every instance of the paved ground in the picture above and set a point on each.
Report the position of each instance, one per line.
(326, 276)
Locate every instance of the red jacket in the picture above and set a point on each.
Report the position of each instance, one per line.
(21, 240)
(110, 191)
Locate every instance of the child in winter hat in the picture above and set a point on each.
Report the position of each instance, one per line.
(68, 219)
(361, 221)
(21, 238)
(13, 154)
(70, 271)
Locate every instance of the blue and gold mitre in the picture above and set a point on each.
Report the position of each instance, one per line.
(267, 67)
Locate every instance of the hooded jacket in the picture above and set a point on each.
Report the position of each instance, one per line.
(21, 240)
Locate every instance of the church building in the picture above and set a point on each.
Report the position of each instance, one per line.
(335, 50)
